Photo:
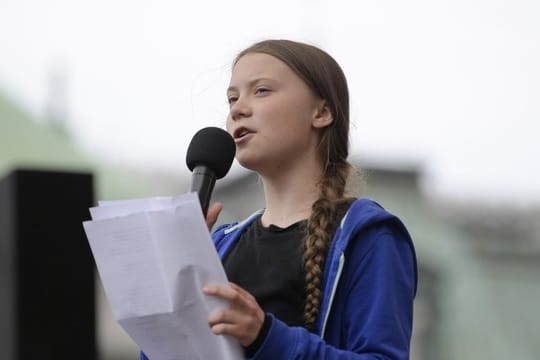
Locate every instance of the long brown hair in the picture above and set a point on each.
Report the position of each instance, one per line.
(326, 79)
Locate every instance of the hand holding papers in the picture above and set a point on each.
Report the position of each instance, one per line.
(154, 256)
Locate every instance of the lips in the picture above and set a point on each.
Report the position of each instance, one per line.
(241, 132)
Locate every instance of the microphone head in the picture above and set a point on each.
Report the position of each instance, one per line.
(211, 147)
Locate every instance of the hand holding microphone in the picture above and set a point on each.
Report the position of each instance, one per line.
(213, 213)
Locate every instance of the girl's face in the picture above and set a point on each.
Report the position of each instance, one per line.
(274, 117)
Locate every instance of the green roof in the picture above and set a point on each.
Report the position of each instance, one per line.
(25, 142)
(28, 143)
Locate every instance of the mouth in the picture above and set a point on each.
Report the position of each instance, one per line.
(241, 133)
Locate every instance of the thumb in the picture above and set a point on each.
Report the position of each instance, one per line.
(212, 214)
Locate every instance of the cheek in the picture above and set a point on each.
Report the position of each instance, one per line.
(296, 110)
(294, 121)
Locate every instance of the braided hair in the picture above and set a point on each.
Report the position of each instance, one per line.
(325, 78)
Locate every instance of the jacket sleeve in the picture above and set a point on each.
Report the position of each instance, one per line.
(374, 313)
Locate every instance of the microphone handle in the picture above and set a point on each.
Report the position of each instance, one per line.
(203, 181)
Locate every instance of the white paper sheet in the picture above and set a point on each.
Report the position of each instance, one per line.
(154, 256)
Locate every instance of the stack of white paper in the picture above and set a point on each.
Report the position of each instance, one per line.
(154, 256)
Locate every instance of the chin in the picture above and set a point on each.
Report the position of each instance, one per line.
(249, 162)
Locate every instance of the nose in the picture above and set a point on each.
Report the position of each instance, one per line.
(240, 108)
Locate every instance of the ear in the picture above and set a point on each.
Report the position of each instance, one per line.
(322, 116)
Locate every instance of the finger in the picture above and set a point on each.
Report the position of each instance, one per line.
(245, 333)
(227, 316)
(216, 317)
(238, 326)
(225, 329)
(221, 290)
(237, 300)
(241, 291)
(212, 214)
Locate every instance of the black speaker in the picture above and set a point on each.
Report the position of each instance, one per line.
(47, 296)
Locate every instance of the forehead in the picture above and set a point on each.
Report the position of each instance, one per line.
(258, 65)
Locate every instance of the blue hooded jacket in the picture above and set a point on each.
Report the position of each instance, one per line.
(369, 284)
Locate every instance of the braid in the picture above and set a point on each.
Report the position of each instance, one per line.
(323, 75)
(320, 230)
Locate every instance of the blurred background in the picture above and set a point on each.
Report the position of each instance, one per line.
(445, 112)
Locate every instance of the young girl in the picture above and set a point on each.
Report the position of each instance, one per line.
(315, 275)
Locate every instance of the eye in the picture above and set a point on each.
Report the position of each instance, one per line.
(231, 99)
(261, 91)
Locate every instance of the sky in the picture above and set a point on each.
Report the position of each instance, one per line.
(451, 86)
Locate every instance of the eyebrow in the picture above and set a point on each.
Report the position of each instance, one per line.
(250, 83)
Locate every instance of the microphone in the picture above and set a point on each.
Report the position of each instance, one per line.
(209, 156)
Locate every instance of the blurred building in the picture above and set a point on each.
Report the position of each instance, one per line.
(479, 266)
(27, 142)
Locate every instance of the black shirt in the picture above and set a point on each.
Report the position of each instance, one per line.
(267, 262)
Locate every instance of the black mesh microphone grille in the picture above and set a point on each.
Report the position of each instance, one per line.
(212, 147)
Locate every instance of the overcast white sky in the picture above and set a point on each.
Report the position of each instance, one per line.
(453, 85)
